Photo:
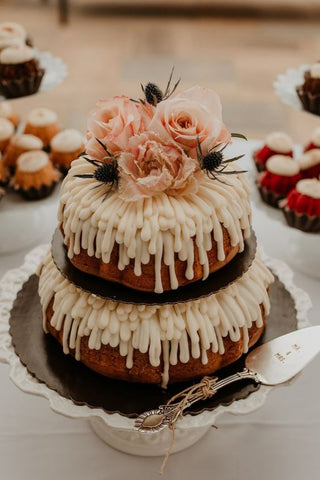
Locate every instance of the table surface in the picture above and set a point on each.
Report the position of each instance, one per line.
(281, 440)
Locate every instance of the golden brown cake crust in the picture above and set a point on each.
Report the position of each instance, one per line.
(108, 361)
(146, 282)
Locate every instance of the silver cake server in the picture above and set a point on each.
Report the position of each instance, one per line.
(272, 363)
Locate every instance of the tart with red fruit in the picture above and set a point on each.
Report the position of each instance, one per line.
(302, 206)
(275, 143)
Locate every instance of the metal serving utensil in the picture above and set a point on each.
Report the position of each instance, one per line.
(272, 363)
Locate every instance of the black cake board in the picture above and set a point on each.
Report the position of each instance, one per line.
(120, 293)
(44, 359)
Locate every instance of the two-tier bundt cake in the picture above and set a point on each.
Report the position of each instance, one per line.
(155, 204)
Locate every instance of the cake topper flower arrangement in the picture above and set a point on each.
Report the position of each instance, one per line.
(161, 143)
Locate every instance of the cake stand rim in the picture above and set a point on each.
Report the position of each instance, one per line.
(12, 282)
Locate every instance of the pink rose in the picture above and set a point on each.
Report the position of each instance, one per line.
(114, 121)
(151, 166)
(194, 113)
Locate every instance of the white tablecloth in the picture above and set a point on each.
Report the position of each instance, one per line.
(280, 441)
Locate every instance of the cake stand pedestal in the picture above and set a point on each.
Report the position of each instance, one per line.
(116, 429)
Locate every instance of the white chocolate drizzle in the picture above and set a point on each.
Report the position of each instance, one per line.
(282, 165)
(6, 129)
(32, 161)
(279, 142)
(69, 140)
(161, 225)
(41, 117)
(309, 159)
(16, 54)
(309, 187)
(170, 333)
(27, 141)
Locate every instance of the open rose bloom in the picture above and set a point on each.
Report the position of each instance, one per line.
(156, 147)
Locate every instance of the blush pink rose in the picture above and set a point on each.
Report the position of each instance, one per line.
(194, 113)
(151, 166)
(114, 121)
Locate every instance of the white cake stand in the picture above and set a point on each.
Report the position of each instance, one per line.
(115, 429)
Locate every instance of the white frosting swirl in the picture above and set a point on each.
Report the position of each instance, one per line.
(315, 70)
(33, 161)
(41, 117)
(16, 55)
(6, 129)
(5, 109)
(26, 141)
(309, 159)
(282, 165)
(189, 329)
(159, 226)
(68, 140)
(7, 42)
(279, 142)
(309, 187)
(12, 29)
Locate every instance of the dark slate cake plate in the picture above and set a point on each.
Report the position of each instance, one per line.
(44, 359)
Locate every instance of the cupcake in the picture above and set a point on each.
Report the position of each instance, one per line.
(309, 91)
(65, 147)
(314, 141)
(310, 163)
(6, 132)
(281, 175)
(275, 143)
(13, 30)
(301, 208)
(4, 173)
(20, 144)
(35, 177)
(6, 111)
(42, 123)
(20, 72)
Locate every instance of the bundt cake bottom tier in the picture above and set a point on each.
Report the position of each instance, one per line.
(109, 362)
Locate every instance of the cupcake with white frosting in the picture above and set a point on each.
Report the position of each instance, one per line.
(310, 163)
(6, 111)
(275, 143)
(314, 141)
(309, 91)
(19, 144)
(20, 72)
(281, 175)
(35, 177)
(301, 208)
(13, 30)
(6, 132)
(43, 123)
(66, 147)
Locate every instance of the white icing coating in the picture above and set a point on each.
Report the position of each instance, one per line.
(279, 142)
(41, 117)
(6, 129)
(7, 42)
(33, 161)
(282, 165)
(69, 140)
(26, 141)
(161, 225)
(316, 137)
(12, 29)
(309, 187)
(178, 331)
(5, 109)
(309, 159)
(315, 70)
(16, 55)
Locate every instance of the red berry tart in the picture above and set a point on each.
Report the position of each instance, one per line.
(302, 206)
(275, 143)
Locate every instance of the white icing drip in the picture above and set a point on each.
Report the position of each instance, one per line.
(279, 142)
(5, 109)
(316, 137)
(68, 140)
(309, 159)
(7, 42)
(12, 29)
(177, 332)
(32, 161)
(309, 187)
(282, 165)
(27, 141)
(159, 226)
(315, 70)
(6, 129)
(42, 117)
(15, 55)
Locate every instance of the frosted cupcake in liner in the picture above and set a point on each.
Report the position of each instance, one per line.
(43, 123)
(6, 111)
(6, 132)
(301, 208)
(310, 163)
(314, 141)
(19, 144)
(35, 177)
(20, 72)
(275, 143)
(281, 175)
(65, 147)
(309, 91)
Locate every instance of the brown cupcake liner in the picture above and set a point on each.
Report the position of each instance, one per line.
(21, 87)
(270, 197)
(36, 193)
(310, 102)
(259, 166)
(302, 221)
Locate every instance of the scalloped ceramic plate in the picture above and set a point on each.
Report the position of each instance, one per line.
(286, 83)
